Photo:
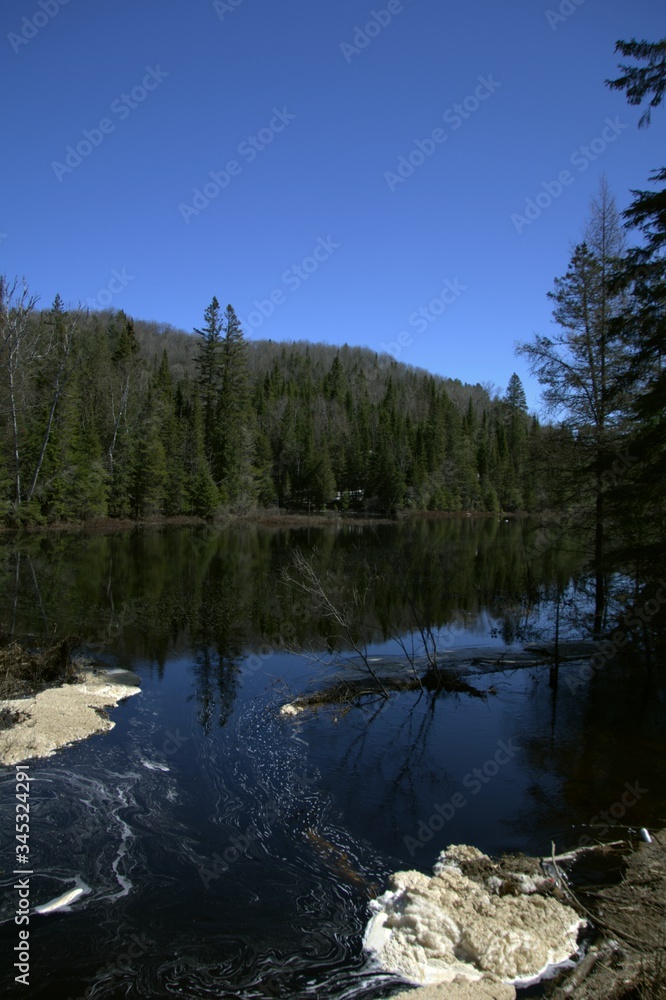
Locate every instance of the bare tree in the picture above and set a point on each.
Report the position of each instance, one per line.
(344, 618)
(59, 343)
(17, 346)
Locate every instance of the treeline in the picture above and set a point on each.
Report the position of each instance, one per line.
(105, 417)
(102, 416)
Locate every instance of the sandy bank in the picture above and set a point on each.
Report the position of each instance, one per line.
(62, 715)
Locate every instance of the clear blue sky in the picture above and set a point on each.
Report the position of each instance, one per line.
(180, 88)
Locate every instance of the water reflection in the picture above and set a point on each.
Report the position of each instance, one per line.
(157, 593)
(240, 850)
(160, 590)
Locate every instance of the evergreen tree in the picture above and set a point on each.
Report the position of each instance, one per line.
(639, 487)
(640, 81)
(581, 368)
(203, 496)
(149, 468)
(208, 364)
(123, 385)
(234, 452)
(641, 276)
(515, 397)
(75, 482)
(171, 435)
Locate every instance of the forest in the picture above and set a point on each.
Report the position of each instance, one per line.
(107, 416)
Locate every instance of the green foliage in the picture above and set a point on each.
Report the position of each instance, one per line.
(640, 81)
(132, 425)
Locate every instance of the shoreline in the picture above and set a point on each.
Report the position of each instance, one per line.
(260, 518)
(624, 956)
(57, 717)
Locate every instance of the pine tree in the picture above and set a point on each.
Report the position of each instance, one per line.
(642, 328)
(640, 81)
(171, 435)
(209, 363)
(581, 368)
(234, 439)
(149, 467)
(512, 479)
(515, 397)
(123, 390)
(203, 495)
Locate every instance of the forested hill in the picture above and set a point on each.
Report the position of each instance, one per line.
(182, 349)
(107, 416)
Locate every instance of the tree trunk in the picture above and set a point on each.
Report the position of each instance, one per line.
(599, 574)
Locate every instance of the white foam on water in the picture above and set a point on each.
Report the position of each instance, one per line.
(430, 930)
(64, 901)
(154, 765)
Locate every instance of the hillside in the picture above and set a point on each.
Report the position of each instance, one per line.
(110, 416)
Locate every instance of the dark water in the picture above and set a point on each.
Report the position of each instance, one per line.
(229, 852)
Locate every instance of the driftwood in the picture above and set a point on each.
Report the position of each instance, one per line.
(572, 855)
(627, 961)
(583, 970)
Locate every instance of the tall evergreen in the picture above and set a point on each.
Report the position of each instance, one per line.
(641, 276)
(203, 497)
(234, 437)
(581, 369)
(149, 468)
(208, 364)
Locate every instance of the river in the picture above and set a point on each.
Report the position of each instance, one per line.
(227, 851)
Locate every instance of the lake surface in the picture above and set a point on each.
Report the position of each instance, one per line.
(227, 851)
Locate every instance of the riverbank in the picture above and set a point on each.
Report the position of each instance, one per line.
(265, 518)
(40, 723)
(625, 951)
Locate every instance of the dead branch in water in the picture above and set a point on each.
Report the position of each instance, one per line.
(345, 623)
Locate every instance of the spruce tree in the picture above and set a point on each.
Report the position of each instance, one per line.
(642, 327)
(171, 435)
(234, 437)
(208, 364)
(149, 467)
(581, 369)
(203, 496)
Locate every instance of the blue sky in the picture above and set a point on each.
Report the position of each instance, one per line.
(350, 199)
